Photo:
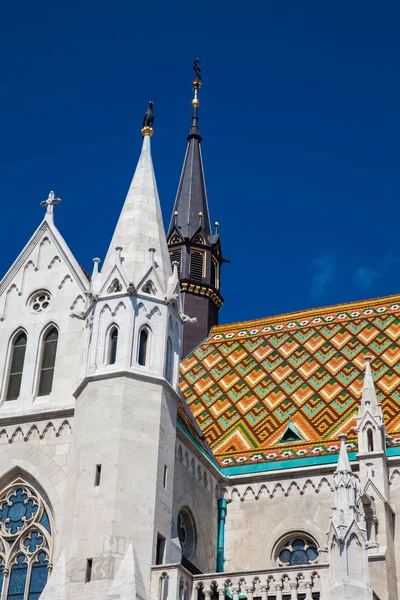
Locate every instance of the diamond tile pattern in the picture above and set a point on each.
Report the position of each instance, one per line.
(247, 381)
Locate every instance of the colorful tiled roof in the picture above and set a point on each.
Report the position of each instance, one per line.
(248, 381)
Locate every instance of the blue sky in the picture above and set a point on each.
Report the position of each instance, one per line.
(299, 116)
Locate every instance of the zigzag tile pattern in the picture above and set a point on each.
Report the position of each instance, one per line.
(247, 381)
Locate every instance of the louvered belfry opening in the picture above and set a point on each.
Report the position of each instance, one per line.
(197, 265)
(176, 256)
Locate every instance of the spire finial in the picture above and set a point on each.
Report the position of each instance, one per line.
(51, 202)
(148, 121)
(196, 85)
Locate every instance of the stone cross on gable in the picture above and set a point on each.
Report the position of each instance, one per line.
(50, 203)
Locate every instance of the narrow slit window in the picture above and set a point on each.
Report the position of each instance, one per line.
(215, 273)
(17, 367)
(88, 575)
(169, 362)
(165, 477)
(48, 362)
(97, 477)
(143, 340)
(160, 549)
(112, 352)
(370, 440)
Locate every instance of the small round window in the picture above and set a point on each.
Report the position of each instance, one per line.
(297, 550)
(39, 301)
(187, 533)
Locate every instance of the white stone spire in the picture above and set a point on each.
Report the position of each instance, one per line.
(368, 397)
(372, 438)
(344, 503)
(346, 537)
(140, 226)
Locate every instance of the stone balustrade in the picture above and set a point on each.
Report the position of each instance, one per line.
(174, 582)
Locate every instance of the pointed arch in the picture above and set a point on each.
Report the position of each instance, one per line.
(149, 288)
(26, 537)
(17, 351)
(48, 355)
(12, 288)
(370, 440)
(143, 346)
(112, 344)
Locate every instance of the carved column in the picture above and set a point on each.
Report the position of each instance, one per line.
(221, 591)
(308, 585)
(293, 590)
(278, 588)
(235, 592)
(264, 591)
(249, 591)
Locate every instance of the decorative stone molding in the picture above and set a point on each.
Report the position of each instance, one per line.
(188, 459)
(285, 488)
(29, 431)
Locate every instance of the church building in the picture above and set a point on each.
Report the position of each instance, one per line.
(149, 453)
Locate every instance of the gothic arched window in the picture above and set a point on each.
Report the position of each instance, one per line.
(143, 343)
(48, 361)
(169, 362)
(370, 440)
(16, 366)
(113, 345)
(25, 542)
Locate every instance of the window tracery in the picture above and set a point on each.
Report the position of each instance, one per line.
(175, 239)
(297, 550)
(187, 533)
(25, 542)
(115, 286)
(39, 301)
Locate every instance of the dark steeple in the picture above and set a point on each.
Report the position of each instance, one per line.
(191, 242)
(191, 198)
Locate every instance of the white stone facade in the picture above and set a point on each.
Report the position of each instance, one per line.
(130, 494)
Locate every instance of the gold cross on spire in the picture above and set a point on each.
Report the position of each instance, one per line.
(51, 202)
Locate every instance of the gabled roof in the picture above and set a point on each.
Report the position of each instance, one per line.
(247, 380)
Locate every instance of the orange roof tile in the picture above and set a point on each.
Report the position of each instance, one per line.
(247, 381)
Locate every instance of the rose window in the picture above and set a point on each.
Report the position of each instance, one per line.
(298, 551)
(25, 542)
(39, 301)
(186, 533)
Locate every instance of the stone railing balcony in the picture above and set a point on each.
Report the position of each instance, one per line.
(173, 582)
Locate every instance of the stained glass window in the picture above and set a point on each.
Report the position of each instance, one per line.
(48, 362)
(298, 551)
(17, 366)
(25, 542)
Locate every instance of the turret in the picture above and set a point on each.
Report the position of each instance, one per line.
(122, 464)
(192, 244)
